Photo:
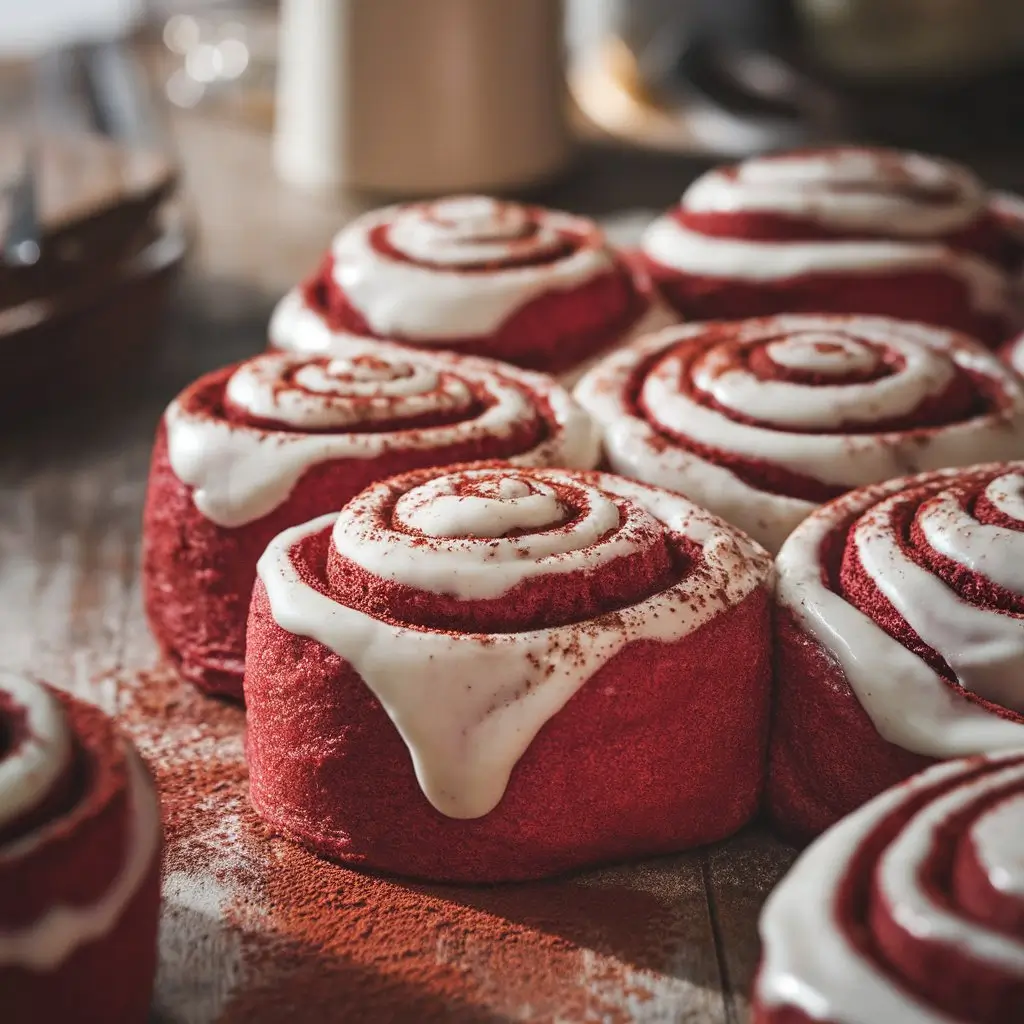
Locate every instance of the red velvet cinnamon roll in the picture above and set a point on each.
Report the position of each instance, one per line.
(844, 230)
(900, 638)
(536, 288)
(79, 863)
(762, 420)
(909, 911)
(249, 450)
(487, 673)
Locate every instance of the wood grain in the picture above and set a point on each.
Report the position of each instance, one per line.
(71, 489)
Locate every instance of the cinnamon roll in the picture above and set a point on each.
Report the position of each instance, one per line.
(911, 910)
(486, 673)
(845, 230)
(80, 842)
(763, 420)
(900, 638)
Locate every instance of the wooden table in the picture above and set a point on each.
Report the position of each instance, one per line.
(668, 940)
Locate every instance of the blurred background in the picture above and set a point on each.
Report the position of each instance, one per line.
(141, 138)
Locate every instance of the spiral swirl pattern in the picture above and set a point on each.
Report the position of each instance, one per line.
(507, 589)
(838, 230)
(242, 438)
(534, 287)
(69, 787)
(916, 588)
(910, 910)
(760, 420)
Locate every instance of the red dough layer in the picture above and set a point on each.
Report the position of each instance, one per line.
(925, 295)
(109, 978)
(826, 757)
(660, 750)
(198, 576)
(554, 332)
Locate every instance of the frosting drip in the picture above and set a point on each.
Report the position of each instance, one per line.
(243, 443)
(762, 419)
(944, 553)
(468, 703)
(888, 915)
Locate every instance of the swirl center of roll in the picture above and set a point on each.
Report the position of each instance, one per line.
(477, 535)
(823, 353)
(309, 394)
(470, 231)
(480, 508)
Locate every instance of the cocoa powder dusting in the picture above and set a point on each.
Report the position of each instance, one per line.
(261, 930)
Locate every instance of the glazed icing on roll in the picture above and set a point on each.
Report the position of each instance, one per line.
(894, 209)
(911, 909)
(848, 190)
(44, 804)
(37, 753)
(447, 579)
(916, 587)
(762, 419)
(244, 449)
(460, 267)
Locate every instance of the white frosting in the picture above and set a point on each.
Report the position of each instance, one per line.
(348, 391)
(29, 771)
(810, 964)
(637, 448)
(477, 562)
(49, 940)
(910, 199)
(671, 244)
(997, 839)
(1015, 353)
(910, 704)
(468, 705)
(446, 289)
(856, 190)
(239, 473)
(914, 909)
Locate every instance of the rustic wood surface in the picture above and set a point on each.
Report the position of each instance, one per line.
(70, 496)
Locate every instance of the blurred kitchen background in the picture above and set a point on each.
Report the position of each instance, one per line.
(140, 137)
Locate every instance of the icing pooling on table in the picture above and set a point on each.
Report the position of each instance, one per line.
(909, 199)
(798, 427)
(240, 473)
(468, 705)
(809, 961)
(26, 776)
(451, 283)
(909, 703)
